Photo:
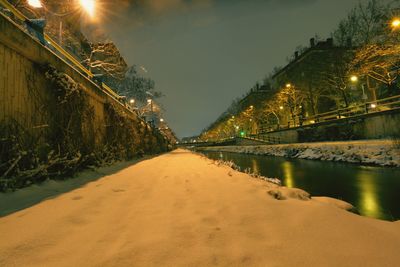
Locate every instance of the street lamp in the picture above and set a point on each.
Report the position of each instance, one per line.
(395, 23)
(132, 101)
(161, 120)
(354, 78)
(35, 3)
(288, 85)
(88, 6)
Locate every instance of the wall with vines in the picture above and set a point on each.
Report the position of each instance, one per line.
(68, 130)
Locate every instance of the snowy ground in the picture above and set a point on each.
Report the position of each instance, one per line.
(374, 152)
(181, 209)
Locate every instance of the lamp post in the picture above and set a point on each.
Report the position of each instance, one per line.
(150, 102)
(132, 103)
(354, 80)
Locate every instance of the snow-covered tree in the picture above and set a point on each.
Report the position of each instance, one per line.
(138, 87)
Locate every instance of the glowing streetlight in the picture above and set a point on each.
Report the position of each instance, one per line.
(354, 78)
(288, 85)
(281, 107)
(132, 101)
(233, 117)
(373, 105)
(88, 6)
(395, 23)
(149, 101)
(35, 3)
(161, 120)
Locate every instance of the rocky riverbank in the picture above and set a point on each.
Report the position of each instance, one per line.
(368, 152)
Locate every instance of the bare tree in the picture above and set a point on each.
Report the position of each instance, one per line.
(365, 24)
(379, 62)
(137, 87)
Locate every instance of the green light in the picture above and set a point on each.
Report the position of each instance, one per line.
(242, 133)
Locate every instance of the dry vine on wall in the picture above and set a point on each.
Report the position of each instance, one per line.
(66, 144)
(29, 156)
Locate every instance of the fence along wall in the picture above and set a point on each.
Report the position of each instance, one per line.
(379, 125)
(26, 98)
(23, 82)
(31, 101)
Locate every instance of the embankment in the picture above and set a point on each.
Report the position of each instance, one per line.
(54, 120)
(368, 152)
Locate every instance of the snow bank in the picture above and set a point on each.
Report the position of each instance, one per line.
(374, 152)
(180, 209)
(336, 203)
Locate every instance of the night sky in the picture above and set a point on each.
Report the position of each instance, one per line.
(202, 54)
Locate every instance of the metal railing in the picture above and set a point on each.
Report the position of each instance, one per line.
(19, 15)
(381, 105)
(265, 138)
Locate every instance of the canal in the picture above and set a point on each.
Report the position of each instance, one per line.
(374, 191)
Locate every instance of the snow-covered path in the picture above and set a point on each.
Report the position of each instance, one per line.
(180, 209)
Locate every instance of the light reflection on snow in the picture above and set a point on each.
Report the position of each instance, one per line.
(288, 174)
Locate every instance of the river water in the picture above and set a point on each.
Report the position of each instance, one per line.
(374, 191)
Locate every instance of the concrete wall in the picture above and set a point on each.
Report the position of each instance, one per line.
(384, 124)
(23, 86)
(25, 93)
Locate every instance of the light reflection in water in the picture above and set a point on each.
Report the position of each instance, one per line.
(255, 167)
(372, 190)
(368, 201)
(288, 174)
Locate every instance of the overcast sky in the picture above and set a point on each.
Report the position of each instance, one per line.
(202, 54)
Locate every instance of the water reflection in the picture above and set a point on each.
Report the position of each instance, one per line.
(287, 168)
(368, 200)
(372, 190)
(255, 167)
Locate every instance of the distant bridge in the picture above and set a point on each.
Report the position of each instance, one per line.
(234, 141)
